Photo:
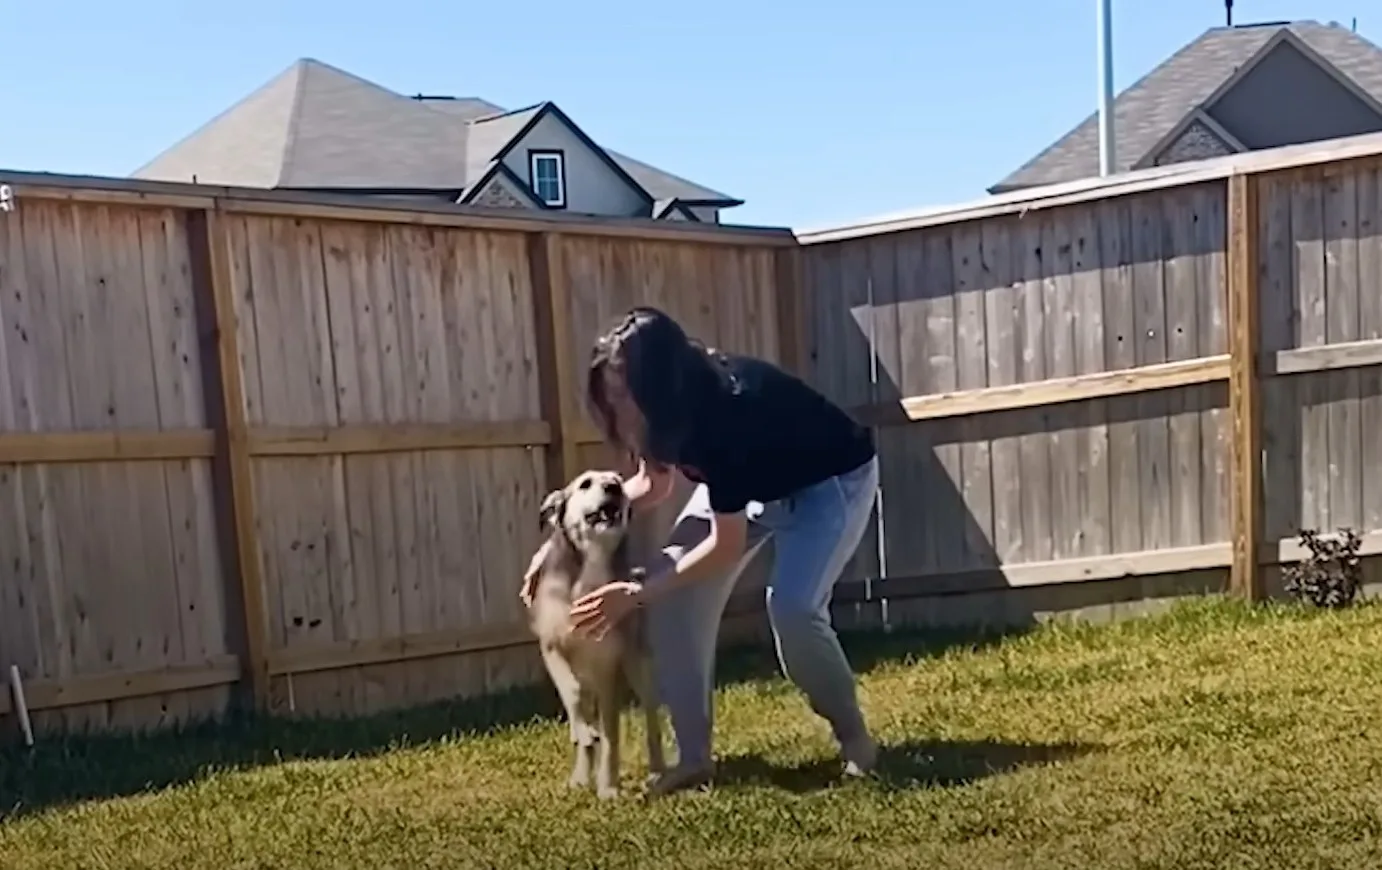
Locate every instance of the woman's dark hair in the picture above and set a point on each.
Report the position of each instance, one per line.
(667, 372)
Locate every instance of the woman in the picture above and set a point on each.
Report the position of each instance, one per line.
(771, 457)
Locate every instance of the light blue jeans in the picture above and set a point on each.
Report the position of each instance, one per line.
(815, 532)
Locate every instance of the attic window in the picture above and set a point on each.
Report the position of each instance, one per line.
(547, 175)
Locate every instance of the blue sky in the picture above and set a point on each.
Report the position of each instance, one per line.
(814, 113)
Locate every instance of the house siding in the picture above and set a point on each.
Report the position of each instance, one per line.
(1286, 99)
(591, 186)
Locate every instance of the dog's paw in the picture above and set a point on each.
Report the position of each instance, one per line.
(607, 792)
(576, 782)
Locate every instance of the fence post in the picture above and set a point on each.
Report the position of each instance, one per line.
(225, 399)
(556, 381)
(1245, 387)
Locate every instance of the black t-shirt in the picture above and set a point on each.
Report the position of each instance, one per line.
(767, 436)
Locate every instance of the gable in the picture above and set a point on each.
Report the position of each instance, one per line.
(1286, 98)
(1153, 111)
(592, 185)
(1198, 141)
(501, 192)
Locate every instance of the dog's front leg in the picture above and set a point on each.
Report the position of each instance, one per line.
(579, 719)
(607, 697)
(586, 737)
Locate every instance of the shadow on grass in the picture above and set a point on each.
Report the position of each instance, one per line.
(911, 764)
(866, 650)
(64, 770)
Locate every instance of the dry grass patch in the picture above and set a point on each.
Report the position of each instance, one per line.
(1216, 735)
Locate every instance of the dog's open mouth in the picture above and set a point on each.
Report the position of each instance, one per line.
(606, 516)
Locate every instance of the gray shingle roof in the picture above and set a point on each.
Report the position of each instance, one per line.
(1149, 109)
(664, 185)
(318, 126)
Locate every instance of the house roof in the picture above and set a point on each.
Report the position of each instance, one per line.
(1157, 103)
(317, 126)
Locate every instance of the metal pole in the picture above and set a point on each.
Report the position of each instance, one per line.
(1106, 148)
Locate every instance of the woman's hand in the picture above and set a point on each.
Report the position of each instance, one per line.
(648, 486)
(595, 613)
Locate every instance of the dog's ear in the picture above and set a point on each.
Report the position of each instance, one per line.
(550, 510)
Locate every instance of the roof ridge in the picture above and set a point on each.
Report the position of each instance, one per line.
(310, 62)
(294, 119)
(421, 97)
(506, 114)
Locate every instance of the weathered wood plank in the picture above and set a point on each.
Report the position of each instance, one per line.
(1279, 315)
(1035, 447)
(972, 276)
(1180, 217)
(1211, 292)
(1341, 325)
(1120, 352)
(1369, 186)
(1058, 315)
(941, 476)
(1307, 235)
(1149, 250)
(1092, 436)
(1001, 309)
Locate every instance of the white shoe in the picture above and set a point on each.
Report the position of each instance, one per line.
(860, 755)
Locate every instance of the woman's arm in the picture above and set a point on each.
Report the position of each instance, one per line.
(720, 550)
(596, 612)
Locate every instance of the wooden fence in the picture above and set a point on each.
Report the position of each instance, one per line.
(1070, 384)
(296, 444)
(300, 445)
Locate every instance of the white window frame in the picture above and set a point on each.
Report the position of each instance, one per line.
(558, 160)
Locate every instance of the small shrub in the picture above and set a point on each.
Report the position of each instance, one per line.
(1331, 576)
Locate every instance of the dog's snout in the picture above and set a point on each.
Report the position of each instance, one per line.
(612, 488)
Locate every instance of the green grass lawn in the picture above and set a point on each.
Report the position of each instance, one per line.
(1215, 736)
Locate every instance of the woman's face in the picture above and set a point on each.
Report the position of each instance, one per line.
(628, 420)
